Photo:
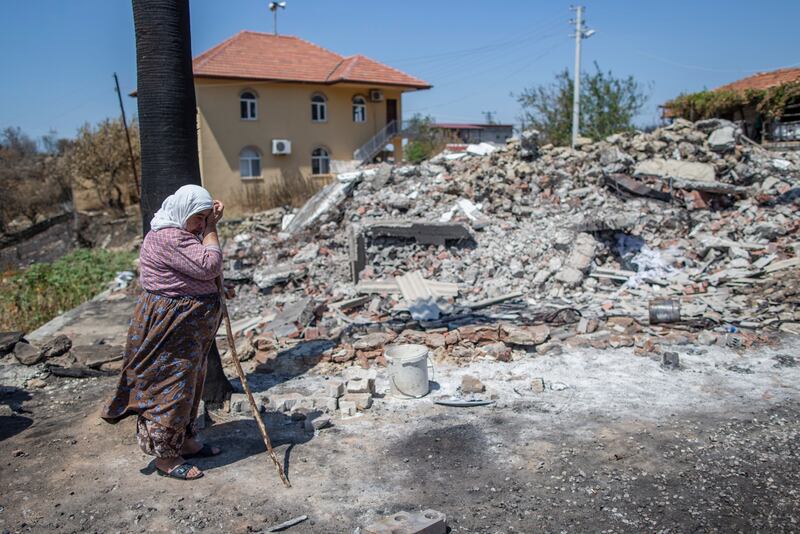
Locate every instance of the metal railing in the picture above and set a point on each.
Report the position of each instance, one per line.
(783, 131)
(371, 148)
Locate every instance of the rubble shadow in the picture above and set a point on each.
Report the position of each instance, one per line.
(11, 425)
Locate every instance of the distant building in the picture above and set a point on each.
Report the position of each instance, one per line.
(475, 133)
(766, 106)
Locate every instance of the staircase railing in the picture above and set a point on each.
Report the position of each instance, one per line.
(371, 148)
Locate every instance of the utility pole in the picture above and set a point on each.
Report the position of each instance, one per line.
(488, 116)
(580, 34)
(128, 137)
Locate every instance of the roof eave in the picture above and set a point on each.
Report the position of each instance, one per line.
(415, 87)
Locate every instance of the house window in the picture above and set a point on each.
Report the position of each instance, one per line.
(319, 108)
(320, 161)
(249, 163)
(359, 109)
(247, 106)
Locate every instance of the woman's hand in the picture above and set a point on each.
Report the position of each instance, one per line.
(216, 212)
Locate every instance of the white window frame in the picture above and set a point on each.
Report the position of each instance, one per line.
(321, 158)
(359, 109)
(319, 107)
(246, 158)
(251, 104)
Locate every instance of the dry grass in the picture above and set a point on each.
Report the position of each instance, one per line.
(291, 190)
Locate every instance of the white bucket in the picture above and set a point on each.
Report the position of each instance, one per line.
(408, 370)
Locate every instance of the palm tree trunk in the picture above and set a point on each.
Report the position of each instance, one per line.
(168, 123)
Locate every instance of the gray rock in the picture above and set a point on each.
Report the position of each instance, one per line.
(56, 347)
(722, 139)
(570, 276)
(27, 354)
(8, 340)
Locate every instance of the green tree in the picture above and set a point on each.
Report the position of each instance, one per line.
(424, 138)
(608, 105)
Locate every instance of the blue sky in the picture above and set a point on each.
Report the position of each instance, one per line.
(59, 56)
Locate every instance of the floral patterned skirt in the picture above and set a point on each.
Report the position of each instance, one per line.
(164, 369)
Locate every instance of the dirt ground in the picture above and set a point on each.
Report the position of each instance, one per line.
(615, 443)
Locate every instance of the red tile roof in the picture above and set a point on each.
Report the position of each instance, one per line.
(262, 56)
(763, 80)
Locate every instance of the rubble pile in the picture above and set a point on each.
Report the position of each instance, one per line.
(527, 246)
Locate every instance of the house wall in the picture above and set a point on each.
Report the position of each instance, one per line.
(496, 134)
(284, 112)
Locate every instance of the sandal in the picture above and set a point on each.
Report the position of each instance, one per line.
(180, 472)
(205, 452)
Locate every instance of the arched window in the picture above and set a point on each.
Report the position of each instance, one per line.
(320, 161)
(249, 163)
(247, 106)
(319, 108)
(359, 109)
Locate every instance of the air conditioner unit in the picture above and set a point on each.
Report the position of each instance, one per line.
(281, 146)
(376, 95)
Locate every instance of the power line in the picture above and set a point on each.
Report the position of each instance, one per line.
(706, 69)
(518, 38)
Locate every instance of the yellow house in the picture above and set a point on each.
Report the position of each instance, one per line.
(278, 113)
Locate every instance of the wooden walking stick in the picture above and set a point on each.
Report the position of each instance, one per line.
(240, 372)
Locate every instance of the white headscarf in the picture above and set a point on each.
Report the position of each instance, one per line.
(178, 207)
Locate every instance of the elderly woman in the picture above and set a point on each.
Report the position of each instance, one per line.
(171, 332)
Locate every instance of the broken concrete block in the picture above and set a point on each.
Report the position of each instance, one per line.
(317, 423)
(362, 401)
(722, 139)
(569, 276)
(347, 408)
(283, 402)
(327, 404)
(672, 168)
(583, 252)
(335, 388)
(470, 384)
(239, 404)
(425, 522)
(361, 385)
